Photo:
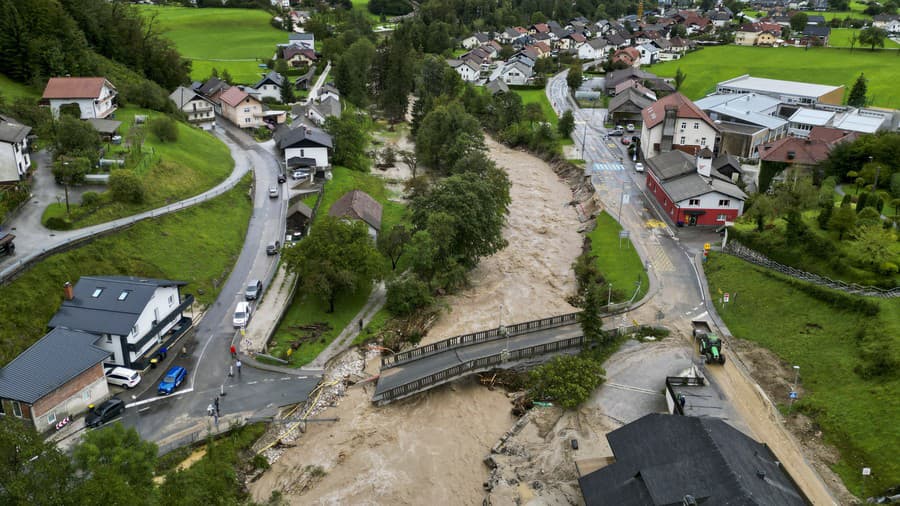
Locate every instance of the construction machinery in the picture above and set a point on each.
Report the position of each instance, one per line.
(708, 343)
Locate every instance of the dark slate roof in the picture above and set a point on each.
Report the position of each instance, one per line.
(106, 314)
(302, 136)
(105, 126)
(662, 458)
(210, 87)
(677, 173)
(13, 132)
(629, 95)
(271, 77)
(48, 364)
(300, 207)
(817, 30)
(359, 205)
(497, 86)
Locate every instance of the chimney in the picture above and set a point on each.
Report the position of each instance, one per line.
(68, 291)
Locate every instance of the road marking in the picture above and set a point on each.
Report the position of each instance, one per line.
(702, 315)
(608, 167)
(697, 274)
(633, 389)
(148, 401)
(286, 379)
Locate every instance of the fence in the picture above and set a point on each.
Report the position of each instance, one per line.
(113, 226)
(481, 364)
(734, 248)
(477, 337)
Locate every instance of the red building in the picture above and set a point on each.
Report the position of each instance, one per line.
(691, 192)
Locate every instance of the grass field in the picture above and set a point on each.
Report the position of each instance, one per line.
(306, 310)
(707, 67)
(840, 37)
(11, 90)
(167, 247)
(622, 267)
(234, 39)
(196, 162)
(540, 97)
(858, 416)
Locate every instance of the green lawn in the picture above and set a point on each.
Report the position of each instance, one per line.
(621, 266)
(166, 247)
(196, 162)
(857, 416)
(234, 39)
(306, 310)
(11, 90)
(840, 37)
(708, 66)
(540, 97)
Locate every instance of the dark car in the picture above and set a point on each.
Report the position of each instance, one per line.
(105, 412)
(272, 248)
(172, 380)
(281, 178)
(253, 290)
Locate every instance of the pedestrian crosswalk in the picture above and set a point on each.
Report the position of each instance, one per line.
(659, 258)
(606, 167)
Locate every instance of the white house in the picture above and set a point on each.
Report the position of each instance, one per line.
(674, 122)
(306, 40)
(95, 96)
(328, 90)
(594, 49)
(269, 86)
(14, 158)
(475, 40)
(468, 70)
(649, 53)
(304, 148)
(516, 73)
(199, 110)
(129, 316)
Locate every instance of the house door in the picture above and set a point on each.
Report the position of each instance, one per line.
(692, 220)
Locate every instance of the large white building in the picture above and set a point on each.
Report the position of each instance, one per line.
(788, 92)
(95, 96)
(674, 122)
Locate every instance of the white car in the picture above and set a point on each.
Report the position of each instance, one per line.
(300, 174)
(273, 192)
(639, 167)
(122, 376)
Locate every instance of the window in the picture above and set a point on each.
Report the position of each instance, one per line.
(2, 411)
(683, 125)
(694, 202)
(134, 330)
(108, 339)
(86, 395)
(51, 418)
(722, 217)
(171, 300)
(17, 409)
(696, 126)
(124, 294)
(97, 292)
(724, 203)
(703, 141)
(246, 120)
(682, 140)
(246, 109)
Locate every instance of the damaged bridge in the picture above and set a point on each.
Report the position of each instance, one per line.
(514, 346)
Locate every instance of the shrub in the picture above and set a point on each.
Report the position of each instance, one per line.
(567, 380)
(90, 199)
(58, 223)
(125, 186)
(406, 295)
(164, 128)
(888, 268)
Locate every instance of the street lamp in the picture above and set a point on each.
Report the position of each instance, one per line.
(793, 394)
(501, 330)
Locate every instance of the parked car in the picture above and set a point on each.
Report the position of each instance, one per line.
(173, 379)
(272, 248)
(241, 315)
(626, 141)
(300, 174)
(98, 415)
(617, 132)
(254, 288)
(281, 178)
(122, 376)
(629, 127)
(273, 192)
(639, 167)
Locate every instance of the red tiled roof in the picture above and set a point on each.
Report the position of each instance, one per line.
(654, 114)
(831, 135)
(74, 87)
(233, 96)
(628, 55)
(795, 150)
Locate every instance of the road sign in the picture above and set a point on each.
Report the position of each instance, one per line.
(726, 296)
(867, 471)
(793, 395)
(623, 234)
(706, 246)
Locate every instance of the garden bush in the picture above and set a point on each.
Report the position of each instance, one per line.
(164, 128)
(124, 186)
(90, 199)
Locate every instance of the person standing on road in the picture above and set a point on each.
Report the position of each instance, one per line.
(162, 352)
(238, 365)
(360, 325)
(233, 352)
(217, 404)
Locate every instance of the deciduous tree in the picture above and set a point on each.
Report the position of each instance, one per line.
(117, 465)
(350, 134)
(566, 124)
(567, 380)
(574, 78)
(873, 36)
(32, 471)
(392, 243)
(842, 221)
(446, 134)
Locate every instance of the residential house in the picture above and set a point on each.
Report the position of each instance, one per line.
(649, 54)
(304, 148)
(690, 192)
(497, 86)
(475, 40)
(270, 86)
(816, 35)
(507, 36)
(317, 111)
(358, 205)
(571, 41)
(15, 160)
(616, 40)
(666, 459)
(888, 22)
(95, 96)
(788, 92)
(199, 110)
(594, 49)
(538, 28)
(651, 81)
(467, 70)
(240, 108)
(56, 377)
(129, 317)
(296, 56)
(626, 107)
(804, 152)
(540, 49)
(721, 18)
(305, 40)
(640, 88)
(674, 122)
(516, 73)
(746, 35)
(629, 56)
(328, 90)
(679, 45)
(298, 218)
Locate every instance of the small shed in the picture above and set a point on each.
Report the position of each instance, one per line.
(298, 217)
(107, 128)
(359, 205)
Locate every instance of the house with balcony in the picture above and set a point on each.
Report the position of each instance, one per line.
(199, 110)
(240, 108)
(95, 97)
(675, 123)
(305, 148)
(129, 317)
(15, 160)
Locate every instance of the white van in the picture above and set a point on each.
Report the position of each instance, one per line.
(241, 315)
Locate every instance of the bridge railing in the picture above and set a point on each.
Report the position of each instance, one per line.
(483, 363)
(477, 337)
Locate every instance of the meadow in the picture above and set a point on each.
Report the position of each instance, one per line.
(617, 260)
(840, 37)
(708, 66)
(11, 90)
(238, 40)
(857, 415)
(539, 96)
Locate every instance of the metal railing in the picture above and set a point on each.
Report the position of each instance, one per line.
(737, 249)
(480, 364)
(477, 337)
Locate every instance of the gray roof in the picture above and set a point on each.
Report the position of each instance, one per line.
(359, 205)
(659, 459)
(49, 363)
(302, 136)
(105, 313)
(271, 77)
(301, 36)
(598, 43)
(183, 96)
(693, 185)
(105, 126)
(817, 30)
(300, 207)
(211, 86)
(13, 132)
(631, 95)
(328, 107)
(497, 86)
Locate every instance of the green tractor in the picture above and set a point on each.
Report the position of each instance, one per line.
(711, 348)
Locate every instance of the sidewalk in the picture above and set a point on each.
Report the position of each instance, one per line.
(345, 338)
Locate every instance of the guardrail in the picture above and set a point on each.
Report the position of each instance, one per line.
(484, 363)
(737, 249)
(477, 337)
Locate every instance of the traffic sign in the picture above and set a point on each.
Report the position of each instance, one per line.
(793, 395)
(867, 471)
(706, 246)
(726, 297)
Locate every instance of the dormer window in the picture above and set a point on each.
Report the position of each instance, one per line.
(97, 292)
(124, 294)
